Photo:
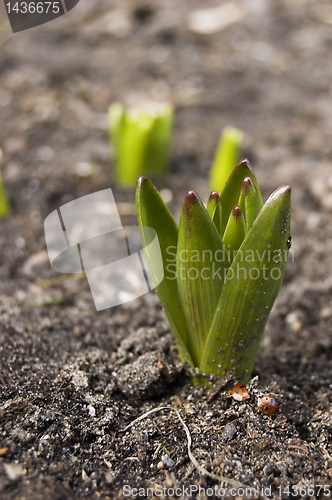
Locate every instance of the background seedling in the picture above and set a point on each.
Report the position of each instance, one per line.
(141, 141)
(227, 155)
(5, 208)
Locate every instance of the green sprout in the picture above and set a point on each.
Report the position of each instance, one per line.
(226, 156)
(141, 141)
(5, 208)
(223, 268)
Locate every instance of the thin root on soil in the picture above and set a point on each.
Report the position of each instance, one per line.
(223, 479)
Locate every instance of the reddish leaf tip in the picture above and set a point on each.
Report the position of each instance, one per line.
(192, 196)
(244, 161)
(214, 196)
(236, 212)
(190, 200)
(247, 184)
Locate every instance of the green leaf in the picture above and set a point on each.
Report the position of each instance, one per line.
(251, 287)
(217, 217)
(152, 212)
(229, 196)
(252, 201)
(241, 203)
(226, 157)
(235, 232)
(200, 268)
(214, 209)
(5, 208)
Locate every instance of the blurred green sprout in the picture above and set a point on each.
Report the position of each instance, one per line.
(227, 155)
(141, 141)
(5, 208)
(223, 268)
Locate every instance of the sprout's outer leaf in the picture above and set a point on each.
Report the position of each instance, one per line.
(245, 303)
(200, 268)
(251, 201)
(235, 232)
(152, 212)
(5, 208)
(226, 157)
(159, 143)
(229, 196)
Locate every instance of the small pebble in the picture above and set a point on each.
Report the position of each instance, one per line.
(228, 432)
(167, 461)
(92, 411)
(269, 470)
(109, 477)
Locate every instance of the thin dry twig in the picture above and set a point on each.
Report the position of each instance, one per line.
(221, 384)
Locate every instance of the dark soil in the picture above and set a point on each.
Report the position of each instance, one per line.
(72, 379)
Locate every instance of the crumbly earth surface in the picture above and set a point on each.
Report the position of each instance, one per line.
(72, 379)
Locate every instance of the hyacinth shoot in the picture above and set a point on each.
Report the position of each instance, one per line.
(224, 265)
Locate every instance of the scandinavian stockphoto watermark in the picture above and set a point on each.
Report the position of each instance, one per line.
(86, 235)
(27, 14)
(208, 265)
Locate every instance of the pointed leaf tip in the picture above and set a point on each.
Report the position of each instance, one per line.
(140, 180)
(214, 196)
(247, 183)
(214, 208)
(236, 212)
(192, 194)
(282, 191)
(252, 202)
(231, 193)
(244, 161)
(191, 199)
